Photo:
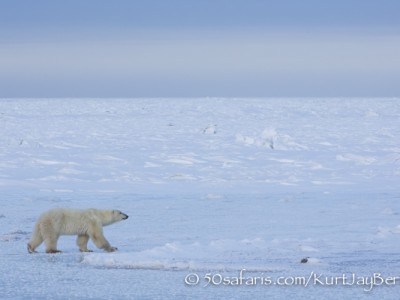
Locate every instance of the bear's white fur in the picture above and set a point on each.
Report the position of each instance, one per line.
(87, 223)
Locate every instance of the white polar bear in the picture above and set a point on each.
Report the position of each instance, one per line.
(87, 223)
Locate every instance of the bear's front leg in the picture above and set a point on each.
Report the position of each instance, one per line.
(111, 249)
(82, 241)
(100, 241)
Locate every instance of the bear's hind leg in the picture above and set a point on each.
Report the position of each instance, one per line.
(35, 241)
(51, 244)
(82, 241)
(50, 236)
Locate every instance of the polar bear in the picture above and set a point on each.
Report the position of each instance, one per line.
(87, 223)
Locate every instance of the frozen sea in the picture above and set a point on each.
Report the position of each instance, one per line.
(226, 197)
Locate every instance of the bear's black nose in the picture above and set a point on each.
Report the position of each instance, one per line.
(125, 217)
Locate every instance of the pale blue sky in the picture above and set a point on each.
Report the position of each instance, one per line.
(186, 48)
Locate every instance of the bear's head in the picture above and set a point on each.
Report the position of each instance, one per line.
(108, 217)
(119, 215)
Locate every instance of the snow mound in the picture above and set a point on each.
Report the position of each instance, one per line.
(270, 138)
(357, 159)
(227, 255)
(384, 232)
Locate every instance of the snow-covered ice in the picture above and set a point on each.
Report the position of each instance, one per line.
(213, 187)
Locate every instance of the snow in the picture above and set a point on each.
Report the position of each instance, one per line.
(213, 187)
